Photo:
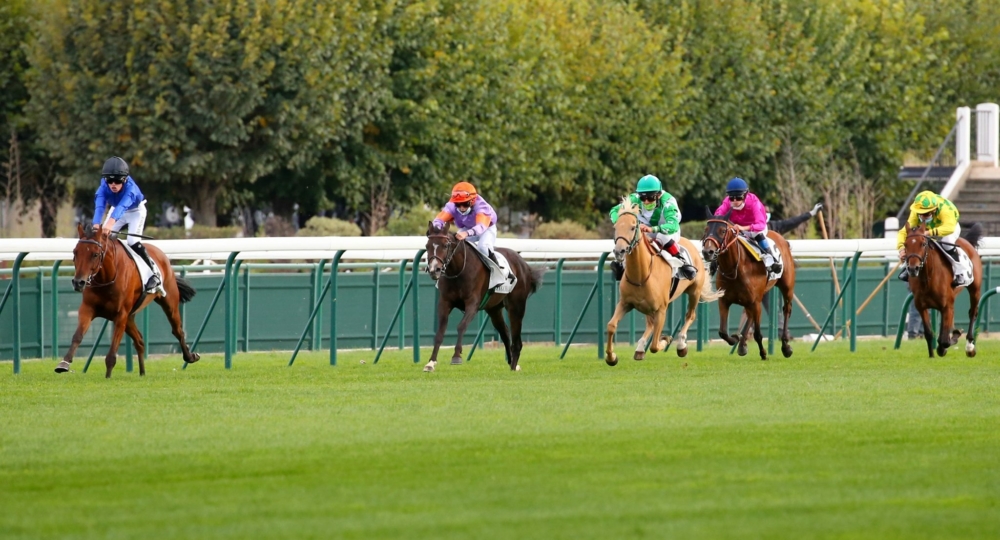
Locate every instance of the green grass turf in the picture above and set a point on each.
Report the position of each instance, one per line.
(878, 444)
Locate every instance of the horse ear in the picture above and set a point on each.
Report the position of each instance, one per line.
(708, 212)
(79, 229)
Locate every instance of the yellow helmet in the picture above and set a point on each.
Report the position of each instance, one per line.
(925, 202)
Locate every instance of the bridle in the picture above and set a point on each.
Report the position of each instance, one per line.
(450, 249)
(632, 244)
(104, 250)
(922, 257)
(723, 244)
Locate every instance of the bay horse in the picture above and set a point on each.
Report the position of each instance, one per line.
(745, 280)
(930, 276)
(113, 290)
(646, 286)
(464, 286)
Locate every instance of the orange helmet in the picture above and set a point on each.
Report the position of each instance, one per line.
(463, 192)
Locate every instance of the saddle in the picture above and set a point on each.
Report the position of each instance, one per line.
(961, 268)
(502, 279)
(145, 272)
(757, 252)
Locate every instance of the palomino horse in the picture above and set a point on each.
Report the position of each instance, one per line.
(930, 277)
(113, 290)
(465, 285)
(745, 281)
(646, 286)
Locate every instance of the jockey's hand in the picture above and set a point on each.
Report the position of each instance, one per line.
(645, 228)
(107, 226)
(461, 235)
(817, 208)
(902, 254)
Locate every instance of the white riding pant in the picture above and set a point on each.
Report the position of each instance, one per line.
(485, 242)
(953, 237)
(663, 238)
(134, 218)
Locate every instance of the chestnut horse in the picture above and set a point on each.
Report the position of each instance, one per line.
(745, 280)
(112, 289)
(466, 284)
(930, 276)
(645, 287)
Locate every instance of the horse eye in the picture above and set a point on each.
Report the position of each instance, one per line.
(93, 255)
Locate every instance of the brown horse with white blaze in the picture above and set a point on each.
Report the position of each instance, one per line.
(113, 289)
(646, 284)
(930, 276)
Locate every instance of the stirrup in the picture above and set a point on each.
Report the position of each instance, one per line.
(688, 272)
(152, 283)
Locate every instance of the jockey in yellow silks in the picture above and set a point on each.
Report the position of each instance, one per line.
(939, 216)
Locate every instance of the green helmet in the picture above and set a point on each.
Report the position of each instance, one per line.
(648, 183)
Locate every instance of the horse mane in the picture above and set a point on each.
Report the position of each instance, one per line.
(628, 205)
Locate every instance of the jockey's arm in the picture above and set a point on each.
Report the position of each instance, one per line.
(949, 221)
(443, 218)
(614, 213)
(670, 218)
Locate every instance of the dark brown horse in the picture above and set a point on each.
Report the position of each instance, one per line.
(463, 281)
(112, 289)
(745, 281)
(930, 276)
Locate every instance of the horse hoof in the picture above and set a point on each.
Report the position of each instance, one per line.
(742, 349)
(63, 367)
(763, 357)
(663, 344)
(429, 367)
(639, 355)
(942, 350)
(456, 360)
(194, 358)
(611, 360)
(517, 367)
(682, 352)
(786, 351)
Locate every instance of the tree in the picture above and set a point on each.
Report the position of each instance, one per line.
(202, 96)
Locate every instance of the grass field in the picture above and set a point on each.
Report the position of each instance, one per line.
(878, 444)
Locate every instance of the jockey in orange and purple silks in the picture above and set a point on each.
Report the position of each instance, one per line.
(750, 217)
(474, 218)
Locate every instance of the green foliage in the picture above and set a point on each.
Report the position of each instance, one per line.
(197, 231)
(411, 222)
(693, 230)
(564, 230)
(324, 226)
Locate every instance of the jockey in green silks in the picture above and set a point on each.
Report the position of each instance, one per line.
(660, 218)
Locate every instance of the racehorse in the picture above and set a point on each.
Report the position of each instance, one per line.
(930, 276)
(464, 286)
(113, 289)
(745, 281)
(646, 286)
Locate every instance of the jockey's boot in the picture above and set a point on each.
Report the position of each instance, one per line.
(617, 270)
(776, 267)
(904, 274)
(493, 257)
(953, 253)
(686, 271)
(154, 280)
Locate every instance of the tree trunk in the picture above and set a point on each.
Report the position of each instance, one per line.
(203, 206)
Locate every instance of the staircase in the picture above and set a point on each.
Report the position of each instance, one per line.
(979, 199)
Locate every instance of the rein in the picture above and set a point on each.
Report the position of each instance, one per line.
(451, 248)
(724, 246)
(632, 244)
(104, 250)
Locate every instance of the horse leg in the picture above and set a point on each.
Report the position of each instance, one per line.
(786, 349)
(443, 310)
(692, 308)
(84, 318)
(658, 321)
(610, 357)
(516, 312)
(944, 333)
(116, 339)
(173, 313)
(140, 347)
(724, 323)
(647, 334)
(970, 336)
(925, 316)
(470, 311)
(496, 317)
(753, 313)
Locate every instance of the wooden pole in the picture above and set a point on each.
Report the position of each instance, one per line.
(806, 311)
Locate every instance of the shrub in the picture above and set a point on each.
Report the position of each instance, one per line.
(693, 230)
(412, 222)
(324, 226)
(197, 231)
(564, 230)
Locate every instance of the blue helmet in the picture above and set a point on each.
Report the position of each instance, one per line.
(737, 186)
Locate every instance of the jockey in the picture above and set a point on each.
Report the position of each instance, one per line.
(658, 216)
(750, 217)
(128, 207)
(940, 217)
(475, 219)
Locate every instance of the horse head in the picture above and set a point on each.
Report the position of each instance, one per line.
(88, 256)
(915, 249)
(719, 234)
(626, 229)
(440, 249)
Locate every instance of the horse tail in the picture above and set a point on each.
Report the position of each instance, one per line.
(537, 275)
(974, 235)
(708, 293)
(186, 290)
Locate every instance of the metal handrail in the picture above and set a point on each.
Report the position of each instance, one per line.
(916, 188)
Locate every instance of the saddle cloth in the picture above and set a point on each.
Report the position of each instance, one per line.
(502, 280)
(758, 255)
(145, 272)
(961, 268)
